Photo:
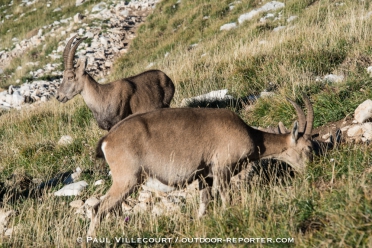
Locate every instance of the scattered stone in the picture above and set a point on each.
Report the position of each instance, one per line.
(355, 131)
(331, 78)
(4, 218)
(65, 140)
(76, 204)
(91, 202)
(71, 189)
(228, 26)
(99, 182)
(363, 112)
(270, 6)
(79, 2)
(217, 95)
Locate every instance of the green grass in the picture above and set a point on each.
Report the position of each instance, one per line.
(329, 205)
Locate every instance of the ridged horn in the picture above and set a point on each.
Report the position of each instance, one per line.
(300, 114)
(71, 54)
(66, 51)
(310, 115)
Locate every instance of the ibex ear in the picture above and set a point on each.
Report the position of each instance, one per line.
(294, 133)
(81, 64)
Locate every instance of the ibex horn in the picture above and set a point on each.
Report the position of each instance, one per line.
(71, 54)
(300, 114)
(67, 50)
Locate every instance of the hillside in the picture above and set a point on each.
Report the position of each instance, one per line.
(321, 48)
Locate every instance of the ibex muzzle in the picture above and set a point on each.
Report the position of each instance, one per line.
(112, 102)
(177, 146)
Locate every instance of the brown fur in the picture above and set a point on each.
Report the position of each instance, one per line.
(112, 102)
(177, 146)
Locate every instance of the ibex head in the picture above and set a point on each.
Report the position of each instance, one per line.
(72, 83)
(301, 144)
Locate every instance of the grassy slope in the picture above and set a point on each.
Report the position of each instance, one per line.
(330, 204)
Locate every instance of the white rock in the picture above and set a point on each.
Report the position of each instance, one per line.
(79, 2)
(99, 182)
(270, 6)
(4, 218)
(247, 16)
(76, 204)
(277, 29)
(144, 196)
(228, 26)
(71, 189)
(216, 95)
(292, 18)
(333, 78)
(157, 185)
(124, 13)
(364, 111)
(367, 131)
(355, 131)
(150, 65)
(369, 71)
(65, 140)
(57, 9)
(91, 202)
(99, 7)
(78, 17)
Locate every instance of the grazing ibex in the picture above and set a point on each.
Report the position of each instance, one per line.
(177, 146)
(112, 102)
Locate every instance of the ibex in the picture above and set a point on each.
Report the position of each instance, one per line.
(177, 146)
(112, 102)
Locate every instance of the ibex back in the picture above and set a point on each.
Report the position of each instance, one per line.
(112, 102)
(177, 146)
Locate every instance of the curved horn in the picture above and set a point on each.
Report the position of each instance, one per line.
(300, 114)
(67, 50)
(71, 54)
(310, 115)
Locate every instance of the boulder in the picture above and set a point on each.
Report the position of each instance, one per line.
(364, 111)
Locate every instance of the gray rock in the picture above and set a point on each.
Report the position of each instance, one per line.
(364, 111)
(71, 189)
(228, 26)
(79, 2)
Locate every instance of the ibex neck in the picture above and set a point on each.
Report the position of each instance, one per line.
(273, 144)
(92, 91)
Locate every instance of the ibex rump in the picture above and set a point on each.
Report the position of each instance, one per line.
(112, 102)
(177, 146)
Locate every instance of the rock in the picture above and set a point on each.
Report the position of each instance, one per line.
(291, 18)
(78, 17)
(217, 95)
(145, 196)
(277, 29)
(363, 112)
(331, 78)
(79, 2)
(4, 218)
(228, 26)
(367, 132)
(99, 182)
(355, 131)
(140, 208)
(369, 71)
(99, 7)
(91, 202)
(124, 13)
(71, 189)
(270, 6)
(65, 140)
(157, 185)
(76, 204)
